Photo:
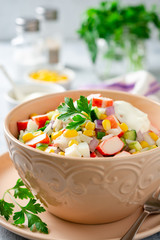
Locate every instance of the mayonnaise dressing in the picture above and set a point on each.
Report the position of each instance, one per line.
(132, 116)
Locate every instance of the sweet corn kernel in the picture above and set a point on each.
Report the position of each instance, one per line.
(102, 116)
(90, 126)
(144, 144)
(32, 115)
(48, 75)
(153, 136)
(61, 153)
(135, 152)
(70, 133)
(124, 127)
(35, 134)
(56, 135)
(89, 133)
(106, 124)
(71, 142)
(49, 150)
(27, 137)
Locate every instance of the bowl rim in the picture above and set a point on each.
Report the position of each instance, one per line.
(86, 159)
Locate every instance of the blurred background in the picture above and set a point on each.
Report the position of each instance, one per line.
(70, 12)
(73, 52)
(73, 43)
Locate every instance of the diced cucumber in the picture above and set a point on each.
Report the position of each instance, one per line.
(41, 146)
(130, 134)
(95, 114)
(100, 135)
(135, 145)
(124, 141)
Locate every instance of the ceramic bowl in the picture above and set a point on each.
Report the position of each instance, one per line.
(30, 90)
(88, 190)
(64, 71)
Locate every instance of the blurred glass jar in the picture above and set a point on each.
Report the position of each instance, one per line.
(27, 46)
(110, 60)
(114, 60)
(49, 31)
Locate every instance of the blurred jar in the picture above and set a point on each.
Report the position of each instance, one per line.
(49, 31)
(110, 60)
(27, 46)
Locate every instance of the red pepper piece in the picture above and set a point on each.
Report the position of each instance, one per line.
(22, 125)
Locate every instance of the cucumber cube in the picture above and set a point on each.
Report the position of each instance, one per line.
(135, 145)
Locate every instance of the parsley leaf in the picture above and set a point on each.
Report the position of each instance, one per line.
(30, 210)
(21, 191)
(34, 220)
(78, 120)
(67, 109)
(19, 218)
(34, 207)
(83, 106)
(6, 209)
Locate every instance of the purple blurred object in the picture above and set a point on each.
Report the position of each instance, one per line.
(93, 144)
(98, 124)
(139, 82)
(110, 110)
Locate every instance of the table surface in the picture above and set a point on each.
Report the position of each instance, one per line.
(74, 55)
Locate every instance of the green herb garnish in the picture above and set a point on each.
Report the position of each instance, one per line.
(81, 112)
(29, 211)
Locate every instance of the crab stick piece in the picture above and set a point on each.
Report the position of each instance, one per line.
(110, 146)
(22, 125)
(43, 138)
(40, 120)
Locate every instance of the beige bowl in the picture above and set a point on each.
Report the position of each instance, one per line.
(87, 190)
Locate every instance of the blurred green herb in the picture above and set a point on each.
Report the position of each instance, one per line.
(115, 24)
(29, 211)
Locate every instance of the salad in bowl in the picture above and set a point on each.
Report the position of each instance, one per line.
(91, 157)
(92, 126)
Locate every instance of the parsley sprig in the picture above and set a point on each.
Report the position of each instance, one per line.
(81, 112)
(29, 211)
